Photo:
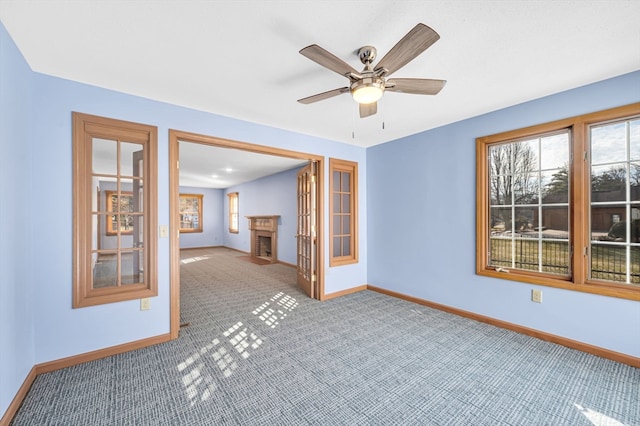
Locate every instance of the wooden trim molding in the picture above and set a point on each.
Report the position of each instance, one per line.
(70, 361)
(573, 344)
(345, 292)
(20, 396)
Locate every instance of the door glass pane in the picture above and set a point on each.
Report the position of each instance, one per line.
(104, 156)
(346, 182)
(336, 181)
(336, 203)
(346, 203)
(105, 270)
(608, 143)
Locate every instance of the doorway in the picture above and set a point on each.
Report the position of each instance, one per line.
(315, 198)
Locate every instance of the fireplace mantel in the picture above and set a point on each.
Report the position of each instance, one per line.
(264, 226)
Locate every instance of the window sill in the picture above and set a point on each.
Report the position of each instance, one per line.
(611, 290)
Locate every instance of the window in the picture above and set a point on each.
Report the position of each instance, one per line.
(114, 210)
(190, 212)
(233, 212)
(119, 204)
(343, 205)
(545, 219)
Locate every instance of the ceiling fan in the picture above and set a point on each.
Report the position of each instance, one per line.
(368, 86)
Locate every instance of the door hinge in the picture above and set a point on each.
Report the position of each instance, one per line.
(178, 164)
(585, 155)
(586, 251)
(313, 178)
(313, 278)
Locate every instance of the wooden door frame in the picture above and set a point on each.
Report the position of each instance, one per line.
(174, 193)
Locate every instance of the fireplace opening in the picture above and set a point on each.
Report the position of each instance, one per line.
(263, 248)
(264, 237)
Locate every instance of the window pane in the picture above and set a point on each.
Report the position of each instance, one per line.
(634, 133)
(337, 228)
(634, 180)
(346, 246)
(104, 156)
(555, 257)
(555, 222)
(346, 224)
(500, 220)
(555, 186)
(130, 159)
(501, 253)
(526, 253)
(526, 219)
(500, 188)
(608, 183)
(131, 270)
(554, 151)
(336, 246)
(525, 188)
(604, 219)
(105, 270)
(609, 262)
(608, 143)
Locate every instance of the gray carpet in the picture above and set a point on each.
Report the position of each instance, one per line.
(258, 352)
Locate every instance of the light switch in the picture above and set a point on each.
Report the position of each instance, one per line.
(164, 231)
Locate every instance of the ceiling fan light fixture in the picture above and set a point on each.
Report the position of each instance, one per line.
(367, 90)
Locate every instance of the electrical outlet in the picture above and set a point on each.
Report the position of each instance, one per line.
(145, 304)
(536, 296)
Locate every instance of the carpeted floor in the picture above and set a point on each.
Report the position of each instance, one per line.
(258, 352)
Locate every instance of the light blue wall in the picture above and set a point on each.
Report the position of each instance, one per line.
(17, 336)
(38, 304)
(212, 225)
(272, 195)
(421, 232)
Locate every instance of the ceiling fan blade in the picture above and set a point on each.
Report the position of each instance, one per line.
(418, 86)
(368, 109)
(323, 95)
(328, 60)
(419, 39)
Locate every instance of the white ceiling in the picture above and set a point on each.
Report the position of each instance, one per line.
(240, 58)
(214, 167)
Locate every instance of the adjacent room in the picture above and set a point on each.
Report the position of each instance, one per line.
(338, 212)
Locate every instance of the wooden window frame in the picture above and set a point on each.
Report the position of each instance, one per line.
(200, 227)
(344, 166)
(109, 207)
(234, 218)
(579, 190)
(85, 129)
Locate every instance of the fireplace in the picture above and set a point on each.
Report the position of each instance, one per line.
(264, 237)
